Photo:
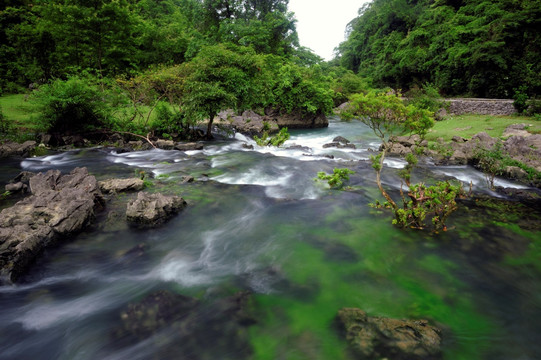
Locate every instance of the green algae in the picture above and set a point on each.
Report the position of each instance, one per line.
(391, 278)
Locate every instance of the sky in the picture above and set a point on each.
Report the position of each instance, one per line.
(321, 24)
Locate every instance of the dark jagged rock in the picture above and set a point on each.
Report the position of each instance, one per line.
(60, 205)
(150, 210)
(379, 337)
(120, 185)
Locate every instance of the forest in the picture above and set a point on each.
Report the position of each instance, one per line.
(475, 48)
(164, 65)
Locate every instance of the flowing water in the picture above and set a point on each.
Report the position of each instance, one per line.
(257, 221)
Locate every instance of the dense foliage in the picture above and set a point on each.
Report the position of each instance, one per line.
(466, 47)
(159, 66)
(46, 39)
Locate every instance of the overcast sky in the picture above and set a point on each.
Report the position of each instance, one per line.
(321, 23)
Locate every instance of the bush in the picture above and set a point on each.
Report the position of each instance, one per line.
(337, 178)
(168, 121)
(4, 125)
(427, 97)
(521, 99)
(276, 140)
(73, 105)
(534, 107)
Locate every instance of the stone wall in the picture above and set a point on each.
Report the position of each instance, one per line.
(481, 106)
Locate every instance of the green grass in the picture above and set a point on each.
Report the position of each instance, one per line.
(19, 111)
(468, 125)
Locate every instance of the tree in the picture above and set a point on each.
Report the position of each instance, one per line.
(222, 77)
(388, 116)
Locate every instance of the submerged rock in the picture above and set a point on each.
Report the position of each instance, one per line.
(154, 312)
(120, 185)
(175, 326)
(59, 206)
(379, 337)
(149, 210)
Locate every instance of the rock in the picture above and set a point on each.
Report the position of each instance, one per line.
(458, 139)
(296, 120)
(516, 173)
(120, 185)
(164, 144)
(188, 146)
(407, 141)
(16, 187)
(251, 123)
(339, 145)
(299, 147)
(208, 329)
(155, 312)
(60, 205)
(149, 210)
(16, 149)
(516, 130)
(379, 337)
(340, 139)
(75, 140)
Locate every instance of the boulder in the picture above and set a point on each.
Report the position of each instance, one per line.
(188, 146)
(339, 145)
(149, 210)
(379, 337)
(120, 185)
(340, 139)
(60, 205)
(297, 120)
(164, 144)
(516, 130)
(251, 123)
(16, 149)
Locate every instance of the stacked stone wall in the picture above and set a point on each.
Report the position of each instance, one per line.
(481, 106)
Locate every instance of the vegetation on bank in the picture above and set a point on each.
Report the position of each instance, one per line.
(475, 48)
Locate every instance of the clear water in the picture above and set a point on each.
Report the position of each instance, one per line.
(258, 221)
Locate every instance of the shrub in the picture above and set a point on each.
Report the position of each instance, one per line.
(73, 105)
(276, 140)
(427, 97)
(337, 178)
(168, 121)
(534, 107)
(4, 125)
(521, 99)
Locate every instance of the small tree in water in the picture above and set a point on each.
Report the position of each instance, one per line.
(388, 116)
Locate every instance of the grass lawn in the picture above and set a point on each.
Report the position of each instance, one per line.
(469, 125)
(22, 114)
(18, 111)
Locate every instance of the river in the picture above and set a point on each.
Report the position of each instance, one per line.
(258, 221)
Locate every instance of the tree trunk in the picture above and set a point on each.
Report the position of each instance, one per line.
(209, 127)
(378, 179)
